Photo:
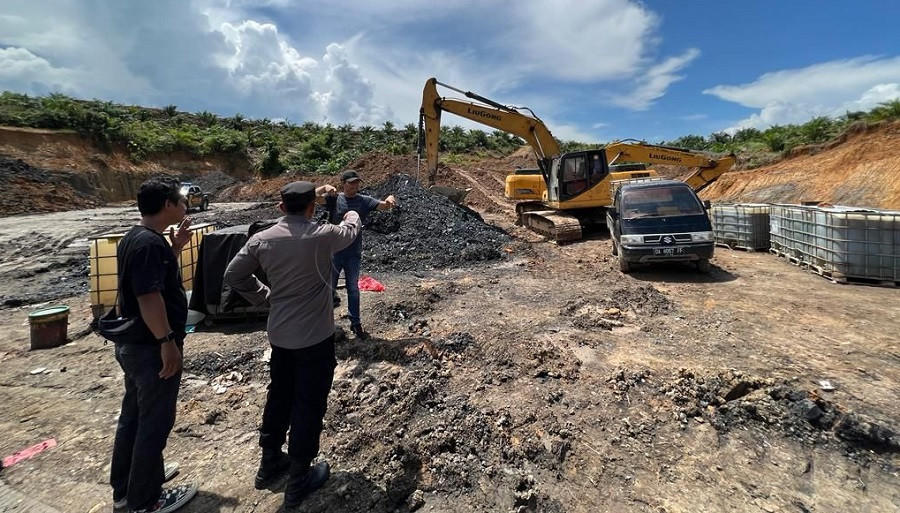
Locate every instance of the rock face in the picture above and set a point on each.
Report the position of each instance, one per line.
(861, 168)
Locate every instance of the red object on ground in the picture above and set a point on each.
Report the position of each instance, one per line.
(24, 454)
(369, 283)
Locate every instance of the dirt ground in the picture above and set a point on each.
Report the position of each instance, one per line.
(545, 380)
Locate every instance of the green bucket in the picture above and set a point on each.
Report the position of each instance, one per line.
(49, 326)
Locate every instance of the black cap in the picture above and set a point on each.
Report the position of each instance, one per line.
(296, 195)
(350, 176)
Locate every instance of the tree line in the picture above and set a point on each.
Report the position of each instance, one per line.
(274, 147)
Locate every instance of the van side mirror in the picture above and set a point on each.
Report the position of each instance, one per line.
(707, 205)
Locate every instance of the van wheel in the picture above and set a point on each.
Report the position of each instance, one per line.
(703, 265)
(624, 265)
(615, 248)
(204, 205)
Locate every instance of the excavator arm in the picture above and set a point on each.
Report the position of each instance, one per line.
(708, 169)
(487, 112)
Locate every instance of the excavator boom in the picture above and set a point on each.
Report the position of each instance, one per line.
(484, 111)
(708, 168)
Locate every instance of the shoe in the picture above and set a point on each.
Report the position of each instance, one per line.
(303, 481)
(169, 471)
(358, 330)
(171, 499)
(273, 465)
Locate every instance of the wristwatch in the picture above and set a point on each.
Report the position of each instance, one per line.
(168, 337)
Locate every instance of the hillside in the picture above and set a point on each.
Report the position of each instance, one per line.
(60, 170)
(858, 169)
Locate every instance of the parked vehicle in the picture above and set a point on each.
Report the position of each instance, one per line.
(655, 220)
(196, 198)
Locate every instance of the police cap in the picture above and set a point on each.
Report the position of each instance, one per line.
(296, 195)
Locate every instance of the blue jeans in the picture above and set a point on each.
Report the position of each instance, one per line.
(147, 417)
(349, 263)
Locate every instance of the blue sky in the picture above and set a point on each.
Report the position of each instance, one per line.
(593, 70)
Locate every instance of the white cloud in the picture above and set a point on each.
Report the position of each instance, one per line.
(340, 61)
(654, 83)
(826, 89)
(25, 71)
(578, 40)
(348, 96)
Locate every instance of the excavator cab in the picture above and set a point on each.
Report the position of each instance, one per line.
(575, 173)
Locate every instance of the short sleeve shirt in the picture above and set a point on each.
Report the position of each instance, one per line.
(148, 264)
(361, 204)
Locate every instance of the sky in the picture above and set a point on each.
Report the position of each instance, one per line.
(592, 70)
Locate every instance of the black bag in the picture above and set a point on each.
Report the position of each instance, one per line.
(122, 330)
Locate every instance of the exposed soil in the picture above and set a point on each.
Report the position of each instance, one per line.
(540, 379)
(860, 169)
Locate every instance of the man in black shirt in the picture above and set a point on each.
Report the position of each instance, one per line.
(150, 286)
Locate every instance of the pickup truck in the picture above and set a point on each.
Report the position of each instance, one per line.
(196, 199)
(659, 221)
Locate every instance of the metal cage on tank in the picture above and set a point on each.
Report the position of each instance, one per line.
(838, 241)
(741, 225)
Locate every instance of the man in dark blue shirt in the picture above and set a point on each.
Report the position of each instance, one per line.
(349, 259)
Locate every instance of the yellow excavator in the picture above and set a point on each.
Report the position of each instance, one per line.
(574, 188)
(527, 184)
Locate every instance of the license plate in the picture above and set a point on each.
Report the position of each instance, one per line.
(668, 251)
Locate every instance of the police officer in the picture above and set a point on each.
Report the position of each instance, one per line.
(295, 255)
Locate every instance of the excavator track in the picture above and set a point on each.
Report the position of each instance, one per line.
(553, 224)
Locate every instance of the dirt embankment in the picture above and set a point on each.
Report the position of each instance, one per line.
(862, 168)
(52, 170)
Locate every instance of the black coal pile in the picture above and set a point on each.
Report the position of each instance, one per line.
(247, 362)
(258, 212)
(425, 231)
(213, 183)
(732, 400)
(25, 189)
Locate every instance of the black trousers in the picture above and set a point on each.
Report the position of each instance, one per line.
(147, 417)
(298, 398)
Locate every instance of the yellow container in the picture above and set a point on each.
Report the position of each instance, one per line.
(104, 267)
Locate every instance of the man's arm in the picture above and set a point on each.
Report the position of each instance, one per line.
(347, 231)
(387, 204)
(323, 192)
(153, 312)
(239, 275)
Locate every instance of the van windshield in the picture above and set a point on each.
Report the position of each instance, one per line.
(660, 202)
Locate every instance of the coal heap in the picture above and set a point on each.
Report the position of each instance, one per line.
(425, 231)
(213, 183)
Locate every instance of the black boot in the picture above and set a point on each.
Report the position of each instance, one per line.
(304, 480)
(273, 465)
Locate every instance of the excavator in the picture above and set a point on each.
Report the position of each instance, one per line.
(527, 184)
(574, 188)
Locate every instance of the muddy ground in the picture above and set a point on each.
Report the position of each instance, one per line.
(539, 380)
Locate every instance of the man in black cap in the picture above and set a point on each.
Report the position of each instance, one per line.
(349, 259)
(296, 256)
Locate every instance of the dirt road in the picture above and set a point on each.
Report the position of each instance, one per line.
(44, 256)
(547, 381)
